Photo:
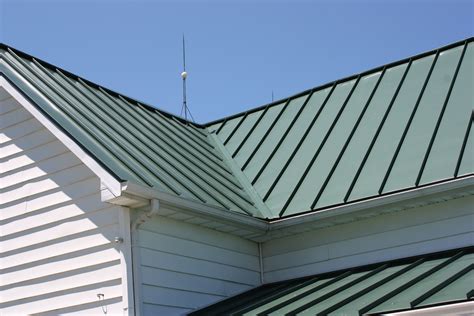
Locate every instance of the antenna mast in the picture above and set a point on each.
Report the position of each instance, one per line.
(185, 110)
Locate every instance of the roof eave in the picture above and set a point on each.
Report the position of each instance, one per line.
(268, 229)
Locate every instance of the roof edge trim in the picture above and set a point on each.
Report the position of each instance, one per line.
(265, 226)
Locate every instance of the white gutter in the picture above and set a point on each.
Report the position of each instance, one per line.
(452, 185)
(197, 208)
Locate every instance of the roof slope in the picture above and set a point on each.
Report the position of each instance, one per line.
(135, 142)
(406, 284)
(397, 127)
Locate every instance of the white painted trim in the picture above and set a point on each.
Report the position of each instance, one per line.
(263, 227)
(153, 211)
(464, 308)
(374, 202)
(126, 262)
(196, 207)
(109, 180)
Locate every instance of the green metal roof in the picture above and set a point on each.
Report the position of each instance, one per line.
(396, 127)
(135, 142)
(405, 284)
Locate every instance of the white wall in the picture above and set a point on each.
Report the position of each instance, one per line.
(419, 230)
(56, 252)
(184, 266)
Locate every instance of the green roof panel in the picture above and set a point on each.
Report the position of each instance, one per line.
(449, 138)
(402, 284)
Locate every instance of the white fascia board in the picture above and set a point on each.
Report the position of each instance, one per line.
(106, 178)
(343, 211)
(195, 207)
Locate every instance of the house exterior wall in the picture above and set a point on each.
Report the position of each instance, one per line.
(182, 266)
(418, 230)
(56, 246)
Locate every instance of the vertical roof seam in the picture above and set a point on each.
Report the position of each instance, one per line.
(262, 140)
(464, 144)
(440, 118)
(377, 133)
(348, 140)
(280, 141)
(407, 127)
(323, 143)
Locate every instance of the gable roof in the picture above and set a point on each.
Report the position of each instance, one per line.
(135, 142)
(393, 128)
(398, 285)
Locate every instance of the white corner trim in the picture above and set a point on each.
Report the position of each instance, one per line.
(126, 263)
(107, 179)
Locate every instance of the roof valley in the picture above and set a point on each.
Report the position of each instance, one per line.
(262, 208)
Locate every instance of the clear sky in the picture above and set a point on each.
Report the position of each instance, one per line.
(237, 51)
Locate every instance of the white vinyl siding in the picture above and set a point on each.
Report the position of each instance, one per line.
(56, 249)
(418, 230)
(184, 266)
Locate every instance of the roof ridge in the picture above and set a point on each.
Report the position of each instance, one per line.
(348, 78)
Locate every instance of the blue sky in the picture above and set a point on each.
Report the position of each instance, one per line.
(237, 51)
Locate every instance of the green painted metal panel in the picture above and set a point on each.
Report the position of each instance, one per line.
(378, 288)
(347, 293)
(444, 155)
(288, 145)
(358, 147)
(228, 128)
(244, 128)
(410, 158)
(325, 290)
(254, 138)
(467, 161)
(286, 298)
(289, 111)
(385, 146)
(255, 158)
(403, 299)
(454, 291)
(318, 173)
(353, 307)
(295, 169)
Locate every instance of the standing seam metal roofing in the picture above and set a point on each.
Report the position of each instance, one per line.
(136, 142)
(406, 284)
(396, 127)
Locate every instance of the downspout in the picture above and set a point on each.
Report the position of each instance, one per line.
(153, 211)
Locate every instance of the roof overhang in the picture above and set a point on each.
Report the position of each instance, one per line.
(139, 197)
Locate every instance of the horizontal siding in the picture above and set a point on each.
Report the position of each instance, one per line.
(430, 228)
(184, 266)
(56, 252)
